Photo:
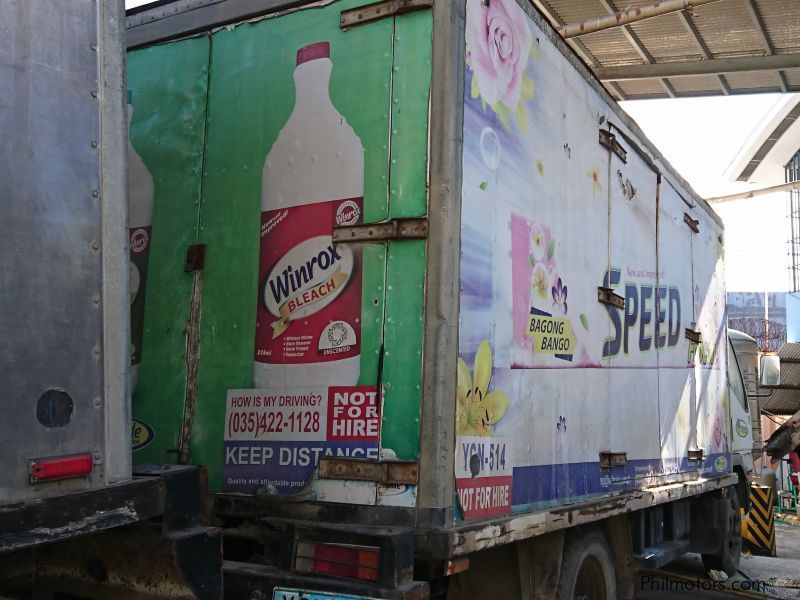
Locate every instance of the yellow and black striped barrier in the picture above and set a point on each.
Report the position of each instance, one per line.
(758, 529)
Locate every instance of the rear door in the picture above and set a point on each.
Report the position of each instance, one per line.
(269, 431)
(167, 95)
(218, 407)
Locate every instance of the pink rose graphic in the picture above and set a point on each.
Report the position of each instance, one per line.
(498, 45)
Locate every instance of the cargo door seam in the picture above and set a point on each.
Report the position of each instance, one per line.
(193, 322)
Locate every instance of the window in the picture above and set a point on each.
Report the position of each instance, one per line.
(735, 378)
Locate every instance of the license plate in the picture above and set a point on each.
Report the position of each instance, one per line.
(292, 594)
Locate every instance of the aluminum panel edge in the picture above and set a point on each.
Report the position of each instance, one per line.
(440, 347)
(165, 22)
(114, 241)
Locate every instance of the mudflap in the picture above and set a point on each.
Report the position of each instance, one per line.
(709, 531)
(159, 545)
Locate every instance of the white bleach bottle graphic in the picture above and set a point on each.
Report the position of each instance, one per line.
(140, 219)
(308, 326)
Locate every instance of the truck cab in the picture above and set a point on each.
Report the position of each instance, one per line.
(744, 409)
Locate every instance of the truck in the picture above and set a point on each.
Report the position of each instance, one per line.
(75, 513)
(417, 303)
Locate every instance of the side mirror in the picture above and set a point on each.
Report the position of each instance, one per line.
(770, 370)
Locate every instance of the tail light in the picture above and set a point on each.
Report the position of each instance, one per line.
(60, 467)
(338, 560)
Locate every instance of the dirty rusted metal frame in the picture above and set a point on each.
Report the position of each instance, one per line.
(639, 46)
(693, 336)
(473, 537)
(609, 141)
(27, 524)
(609, 297)
(380, 10)
(768, 45)
(609, 460)
(441, 313)
(396, 229)
(695, 455)
(113, 196)
(133, 562)
(366, 470)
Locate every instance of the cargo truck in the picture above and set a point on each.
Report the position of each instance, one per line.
(424, 303)
(75, 513)
(452, 320)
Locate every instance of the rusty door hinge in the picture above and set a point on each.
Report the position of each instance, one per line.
(696, 454)
(693, 224)
(396, 229)
(607, 296)
(195, 258)
(613, 459)
(609, 141)
(380, 10)
(693, 336)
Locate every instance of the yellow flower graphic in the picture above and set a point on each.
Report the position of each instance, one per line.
(541, 282)
(476, 409)
(594, 175)
(537, 242)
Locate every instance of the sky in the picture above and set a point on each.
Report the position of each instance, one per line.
(700, 137)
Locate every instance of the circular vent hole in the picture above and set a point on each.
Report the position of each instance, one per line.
(54, 409)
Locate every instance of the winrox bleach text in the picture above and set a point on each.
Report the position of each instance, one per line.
(309, 307)
(140, 219)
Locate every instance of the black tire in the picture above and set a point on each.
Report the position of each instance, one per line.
(732, 547)
(587, 568)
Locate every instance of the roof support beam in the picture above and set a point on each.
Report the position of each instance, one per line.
(762, 31)
(577, 45)
(629, 15)
(638, 46)
(784, 187)
(698, 39)
(704, 67)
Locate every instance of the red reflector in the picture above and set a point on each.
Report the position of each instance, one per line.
(61, 467)
(355, 562)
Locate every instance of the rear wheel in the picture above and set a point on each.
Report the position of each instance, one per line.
(731, 555)
(587, 569)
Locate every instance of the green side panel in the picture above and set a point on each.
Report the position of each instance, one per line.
(169, 84)
(402, 365)
(372, 311)
(410, 94)
(251, 98)
(405, 276)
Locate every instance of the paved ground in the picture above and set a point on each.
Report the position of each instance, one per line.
(781, 575)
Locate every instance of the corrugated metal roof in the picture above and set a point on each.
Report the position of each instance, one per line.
(725, 29)
(786, 399)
